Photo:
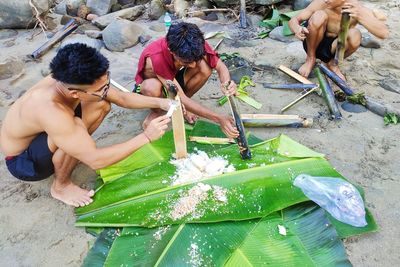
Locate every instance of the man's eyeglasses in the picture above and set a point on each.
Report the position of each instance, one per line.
(104, 89)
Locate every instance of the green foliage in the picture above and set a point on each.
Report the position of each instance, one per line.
(358, 98)
(245, 82)
(227, 56)
(275, 19)
(391, 118)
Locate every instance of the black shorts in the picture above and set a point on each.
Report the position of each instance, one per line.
(324, 49)
(35, 163)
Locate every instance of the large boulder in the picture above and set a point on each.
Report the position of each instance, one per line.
(226, 3)
(100, 7)
(121, 34)
(300, 4)
(72, 6)
(277, 34)
(130, 14)
(156, 9)
(19, 14)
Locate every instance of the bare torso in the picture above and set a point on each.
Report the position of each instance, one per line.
(334, 17)
(22, 122)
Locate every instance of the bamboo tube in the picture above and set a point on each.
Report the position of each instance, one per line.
(61, 34)
(211, 140)
(118, 86)
(274, 120)
(336, 79)
(328, 94)
(342, 39)
(289, 86)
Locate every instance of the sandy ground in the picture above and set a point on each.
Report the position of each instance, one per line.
(37, 230)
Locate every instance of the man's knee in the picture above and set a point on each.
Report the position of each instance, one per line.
(318, 19)
(354, 38)
(151, 87)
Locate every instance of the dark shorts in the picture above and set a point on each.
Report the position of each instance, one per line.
(179, 78)
(35, 163)
(324, 49)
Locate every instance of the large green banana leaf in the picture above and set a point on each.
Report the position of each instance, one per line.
(99, 252)
(134, 199)
(311, 240)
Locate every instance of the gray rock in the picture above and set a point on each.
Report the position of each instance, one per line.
(266, 2)
(130, 14)
(18, 14)
(181, 7)
(126, 2)
(83, 39)
(300, 4)
(226, 3)
(390, 85)
(277, 34)
(202, 3)
(11, 67)
(94, 34)
(121, 34)
(61, 8)
(156, 9)
(5, 34)
(369, 41)
(100, 7)
(45, 71)
(254, 20)
(73, 6)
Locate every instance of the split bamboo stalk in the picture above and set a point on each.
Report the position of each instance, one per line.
(118, 86)
(61, 34)
(291, 104)
(342, 39)
(294, 75)
(328, 94)
(336, 79)
(274, 120)
(211, 140)
(289, 86)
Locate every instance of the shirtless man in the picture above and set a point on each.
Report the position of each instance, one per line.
(319, 35)
(186, 58)
(48, 129)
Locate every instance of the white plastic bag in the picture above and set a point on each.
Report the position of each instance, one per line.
(338, 197)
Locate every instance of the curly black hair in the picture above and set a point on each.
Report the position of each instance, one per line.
(186, 41)
(78, 64)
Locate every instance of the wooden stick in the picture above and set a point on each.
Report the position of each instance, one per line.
(328, 94)
(178, 123)
(118, 86)
(298, 99)
(243, 19)
(289, 86)
(61, 34)
(294, 75)
(211, 140)
(274, 120)
(342, 39)
(217, 45)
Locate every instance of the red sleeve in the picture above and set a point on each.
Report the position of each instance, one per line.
(211, 54)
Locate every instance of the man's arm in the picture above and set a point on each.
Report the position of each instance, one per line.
(72, 137)
(226, 122)
(294, 23)
(366, 17)
(225, 78)
(135, 101)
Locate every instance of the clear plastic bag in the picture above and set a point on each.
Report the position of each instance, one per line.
(338, 197)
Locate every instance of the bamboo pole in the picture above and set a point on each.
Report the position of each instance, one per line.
(61, 34)
(243, 19)
(275, 120)
(336, 79)
(328, 94)
(211, 140)
(289, 86)
(294, 75)
(342, 39)
(118, 86)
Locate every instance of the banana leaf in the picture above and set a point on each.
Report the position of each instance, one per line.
(133, 200)
(311, 240)
(275, 19)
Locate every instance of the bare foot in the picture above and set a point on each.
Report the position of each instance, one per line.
(336, 70)
(190, 117)
(71, 194)
(306, 68)
(151, 116)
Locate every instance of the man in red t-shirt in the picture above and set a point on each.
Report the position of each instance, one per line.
(184, 57)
